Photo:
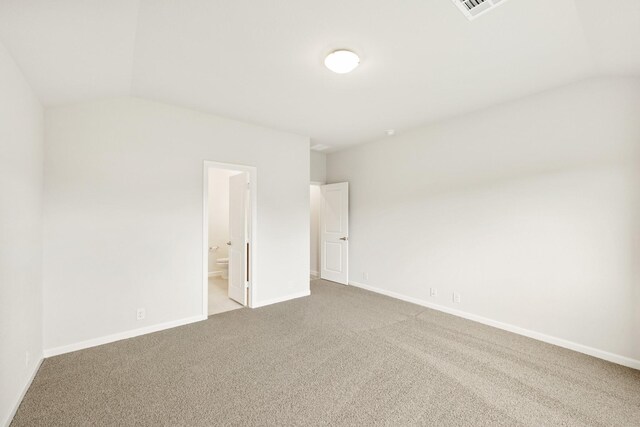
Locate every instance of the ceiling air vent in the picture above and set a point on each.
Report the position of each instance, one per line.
(474, 8)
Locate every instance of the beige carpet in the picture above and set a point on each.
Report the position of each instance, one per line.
(342, 356)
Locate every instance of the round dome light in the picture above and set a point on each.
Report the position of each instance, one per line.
(342, 61)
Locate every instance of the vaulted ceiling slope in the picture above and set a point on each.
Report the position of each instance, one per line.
(261, 61)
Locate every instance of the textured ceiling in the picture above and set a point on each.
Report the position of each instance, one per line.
(261, 61)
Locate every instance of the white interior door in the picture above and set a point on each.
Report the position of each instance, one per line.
(334, 233)
(238, 194)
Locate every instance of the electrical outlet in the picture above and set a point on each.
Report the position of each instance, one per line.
(433, 292)
(456, 297)
(141, 313)
(26, 359)
(365, 276)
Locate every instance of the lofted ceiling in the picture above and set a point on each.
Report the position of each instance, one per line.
(261, 61)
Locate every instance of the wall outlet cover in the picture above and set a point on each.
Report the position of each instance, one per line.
(456, 297)
(141, 313)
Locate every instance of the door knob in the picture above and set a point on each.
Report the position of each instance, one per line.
(344, 238)
(229, 243)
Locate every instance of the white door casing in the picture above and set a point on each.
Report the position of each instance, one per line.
(334, 233)
(238, 194)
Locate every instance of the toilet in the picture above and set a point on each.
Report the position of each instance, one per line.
(223, 265)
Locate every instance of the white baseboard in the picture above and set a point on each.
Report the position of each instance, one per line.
(580, 348)
(121, 336)
(215, 273)
(12, 414)
(281, 299)
(315, 275)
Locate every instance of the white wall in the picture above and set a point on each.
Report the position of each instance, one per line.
(21, 148)
(316, 200)
(530, 210)
(124, 206)
(218, 215)
(318, 167)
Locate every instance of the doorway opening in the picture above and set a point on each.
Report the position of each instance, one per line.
(316, 203)
(229, 247)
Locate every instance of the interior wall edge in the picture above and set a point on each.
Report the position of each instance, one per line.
(539, 336)
(32, 375)
(21, 228)
(94, 342)
(289, 297)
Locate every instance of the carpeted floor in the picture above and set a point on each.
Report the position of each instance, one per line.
(342, 356)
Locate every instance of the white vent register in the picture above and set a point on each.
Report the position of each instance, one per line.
(474, 8)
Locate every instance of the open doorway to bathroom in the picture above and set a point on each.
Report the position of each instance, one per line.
(229, 230)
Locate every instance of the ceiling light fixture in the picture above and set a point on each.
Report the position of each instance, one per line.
(342, 61)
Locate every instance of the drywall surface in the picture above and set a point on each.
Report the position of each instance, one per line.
(21, 153)
(124, 214)
(529, 210)
(218, 215)
(318, 167)
(316, 200)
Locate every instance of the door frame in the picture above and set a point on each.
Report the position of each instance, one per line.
(252, 232)
(318, 246)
